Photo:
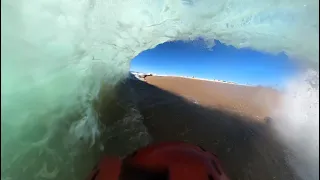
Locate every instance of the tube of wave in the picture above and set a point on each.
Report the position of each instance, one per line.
(56, 56)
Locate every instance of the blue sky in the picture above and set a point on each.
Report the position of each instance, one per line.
(222, 62)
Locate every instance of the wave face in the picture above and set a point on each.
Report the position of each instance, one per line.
(59, 59)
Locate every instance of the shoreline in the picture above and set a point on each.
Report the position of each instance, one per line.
(142, 76)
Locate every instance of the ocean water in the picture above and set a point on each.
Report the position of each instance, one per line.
(62, 61)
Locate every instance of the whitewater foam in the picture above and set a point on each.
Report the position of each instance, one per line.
(298, 123)
(57, 55)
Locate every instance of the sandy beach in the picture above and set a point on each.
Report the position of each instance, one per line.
(252, 101)
(231, 120)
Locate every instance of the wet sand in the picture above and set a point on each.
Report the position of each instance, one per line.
(230, 120)
(255, 102)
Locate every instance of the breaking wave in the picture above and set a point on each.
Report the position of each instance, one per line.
(298, 125)
(61, 60)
